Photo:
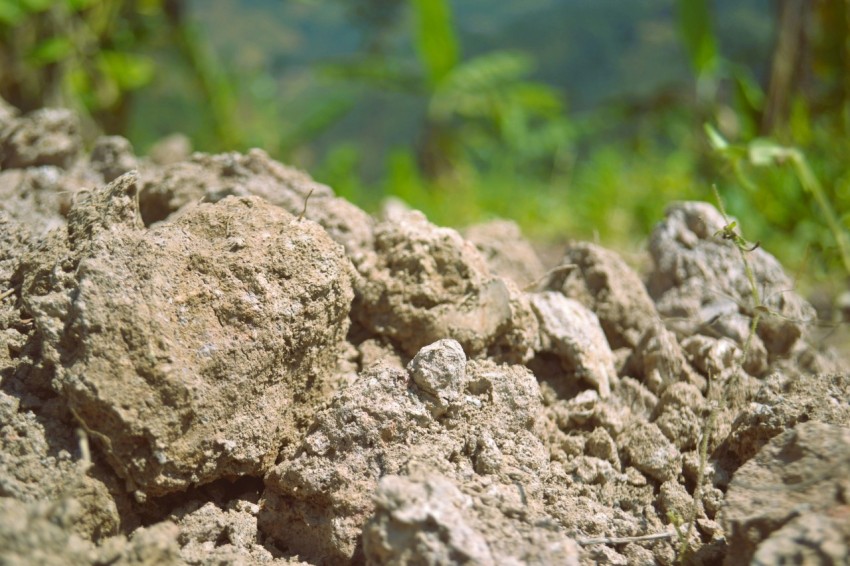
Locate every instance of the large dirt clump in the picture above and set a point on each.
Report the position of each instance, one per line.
(422, 283)
(788, 504)
(184, 347)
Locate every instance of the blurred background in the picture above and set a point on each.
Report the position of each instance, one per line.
(576, 118)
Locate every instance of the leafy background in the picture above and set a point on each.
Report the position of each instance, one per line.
(576, 118)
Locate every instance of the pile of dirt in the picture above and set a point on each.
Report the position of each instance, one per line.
(213, 359)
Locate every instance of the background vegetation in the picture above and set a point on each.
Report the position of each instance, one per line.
(577, 118)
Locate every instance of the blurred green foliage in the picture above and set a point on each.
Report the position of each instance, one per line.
(785, 175)
(485, 127)
(80, 53)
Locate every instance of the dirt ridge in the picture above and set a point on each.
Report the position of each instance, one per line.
(213, 359)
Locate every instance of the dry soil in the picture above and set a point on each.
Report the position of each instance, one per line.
(213, 359)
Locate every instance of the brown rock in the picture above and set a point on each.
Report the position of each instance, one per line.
(573, 334)
(646, 448)
(697, 274)
(183, 348)
(210, 178)
(603, 282)
(50, 136)
(802, 474)
(506, 252)
(425, 283)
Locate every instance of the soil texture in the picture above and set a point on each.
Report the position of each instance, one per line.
(213, 359)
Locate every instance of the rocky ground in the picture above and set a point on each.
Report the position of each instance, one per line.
(212, 359)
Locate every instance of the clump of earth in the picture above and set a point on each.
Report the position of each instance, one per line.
(213, 359)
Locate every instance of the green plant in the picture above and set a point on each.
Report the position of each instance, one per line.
(685, 538)
(763, 153)
(728, 394)
(483, 112)
(743, 247)
(81, 53)
(700, 42)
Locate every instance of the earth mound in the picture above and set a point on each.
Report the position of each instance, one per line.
(213, 359)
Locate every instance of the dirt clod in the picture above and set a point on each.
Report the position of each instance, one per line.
(439, 371)
(572, 333)
(112, 156)
(425, 283)
(603, 283)
(506, 252)
(793, 484)
(49, 136)
(182, 355)
(647, 449)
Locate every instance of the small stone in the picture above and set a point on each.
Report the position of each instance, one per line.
(112, 156)
(572, 332)
(674, 500)
(602, 446)
(648, 450)
(487, 457)
(50, 136)
(583, 406)
(708, 527)
(439, 371)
